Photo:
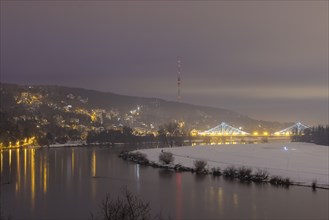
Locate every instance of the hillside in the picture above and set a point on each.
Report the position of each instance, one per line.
(43, 106)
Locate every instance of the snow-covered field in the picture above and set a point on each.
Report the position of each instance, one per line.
(301, 162)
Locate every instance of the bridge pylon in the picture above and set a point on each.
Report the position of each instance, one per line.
(297, 128)
(223, 129)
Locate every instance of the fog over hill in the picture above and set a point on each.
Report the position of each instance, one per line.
(46, 102)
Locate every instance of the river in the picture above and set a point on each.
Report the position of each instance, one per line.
(69, 183)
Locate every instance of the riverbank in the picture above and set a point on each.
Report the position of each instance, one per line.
(302, 163)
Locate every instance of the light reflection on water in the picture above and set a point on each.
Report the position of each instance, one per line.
(93, 174)
(1, 161)
(32, 170)
(220, 199)
(18, 183)
(10, 160)
(25, 164)
(45, 174)
(179, 200)
(68, 183)
(72, 161)
(235, 200)
(93, 164)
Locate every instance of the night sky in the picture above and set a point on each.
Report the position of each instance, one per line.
(268, 60)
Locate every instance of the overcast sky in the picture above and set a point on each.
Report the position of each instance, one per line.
(268, 60)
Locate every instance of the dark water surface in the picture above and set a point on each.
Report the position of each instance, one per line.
(68, 183)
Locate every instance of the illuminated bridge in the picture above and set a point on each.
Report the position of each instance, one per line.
(226, 130)
(297, 128)
(223, 130)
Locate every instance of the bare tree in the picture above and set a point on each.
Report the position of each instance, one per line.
(125, 207)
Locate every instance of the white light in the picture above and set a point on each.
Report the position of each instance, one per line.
(285, 148)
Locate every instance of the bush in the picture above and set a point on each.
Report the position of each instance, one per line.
(287, 182)
(260, 175)
(124, 155)
(230, 171)
(126, 207)
(244, 173)
(276, 180)
(314, 185)
(200, 165)
(140, 157)
(166, 157)
(216, 171)
(134, 156)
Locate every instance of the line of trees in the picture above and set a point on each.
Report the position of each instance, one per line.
(169, 134)
(318, 135)
(117, 136)
(172, 134)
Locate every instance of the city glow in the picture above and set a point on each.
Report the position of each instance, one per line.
(21, 143)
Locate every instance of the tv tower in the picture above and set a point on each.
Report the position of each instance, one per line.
(178, 78)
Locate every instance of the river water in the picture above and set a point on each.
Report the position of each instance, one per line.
(69, 183)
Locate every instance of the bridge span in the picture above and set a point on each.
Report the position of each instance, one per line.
(226, 130)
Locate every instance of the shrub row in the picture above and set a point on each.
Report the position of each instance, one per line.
(243, 173)
(137, 157)
(246, 174)
(166, 158)
(277, 180)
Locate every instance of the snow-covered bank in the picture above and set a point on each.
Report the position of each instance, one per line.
(301, 162)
